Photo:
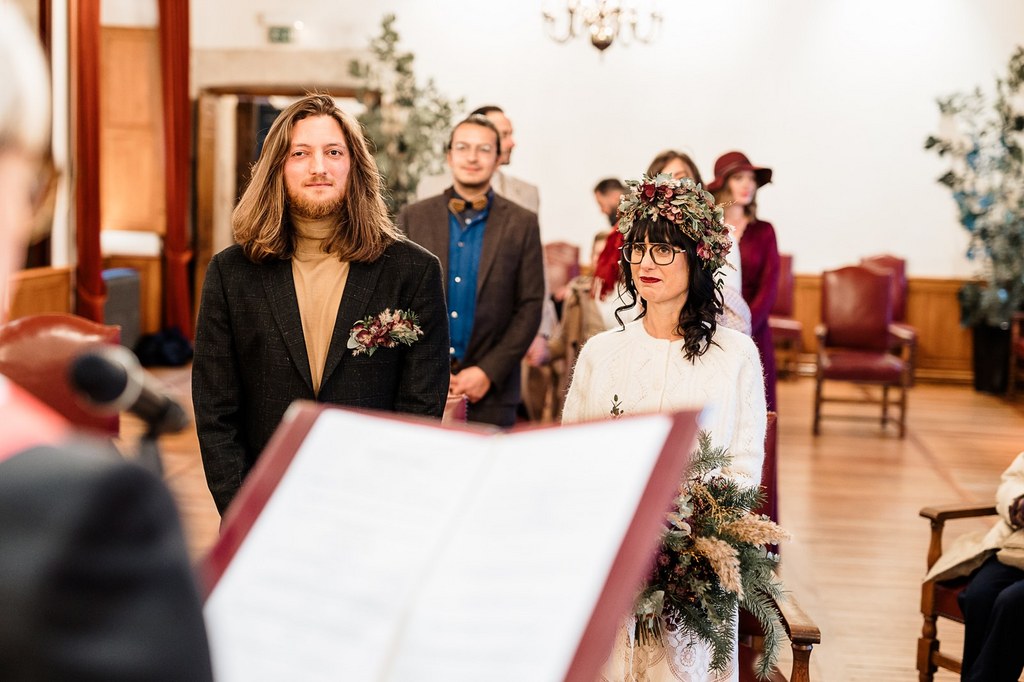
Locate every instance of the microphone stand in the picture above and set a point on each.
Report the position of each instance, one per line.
(148, 451)
(171, 419)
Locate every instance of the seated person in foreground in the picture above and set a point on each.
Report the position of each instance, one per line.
(993, 603)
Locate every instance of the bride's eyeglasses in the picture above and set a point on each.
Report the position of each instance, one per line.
(661, 254)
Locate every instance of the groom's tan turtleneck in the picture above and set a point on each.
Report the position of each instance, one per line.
(319, 283)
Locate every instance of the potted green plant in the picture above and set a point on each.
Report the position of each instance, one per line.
(408, 123)
(983, 140)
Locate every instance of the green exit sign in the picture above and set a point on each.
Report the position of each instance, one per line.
(279, 34)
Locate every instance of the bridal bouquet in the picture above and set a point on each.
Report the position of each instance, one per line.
(713, 557)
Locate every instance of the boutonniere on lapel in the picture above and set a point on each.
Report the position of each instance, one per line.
(386, 330)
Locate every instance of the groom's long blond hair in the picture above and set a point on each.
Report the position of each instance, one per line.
(260, 221)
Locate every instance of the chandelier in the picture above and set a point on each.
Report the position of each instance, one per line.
(603, 20)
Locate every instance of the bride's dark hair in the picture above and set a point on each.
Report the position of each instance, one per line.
(697, 319)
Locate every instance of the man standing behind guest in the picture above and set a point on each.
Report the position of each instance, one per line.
(512, 188)
(282, 313)
(608, 193)
(493, 269)
(526, 195)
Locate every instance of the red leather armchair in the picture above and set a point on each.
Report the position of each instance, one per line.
(561, 264)
(907, 335)
(36, 352)
(455, 410)
(787, 332)
(854, 340)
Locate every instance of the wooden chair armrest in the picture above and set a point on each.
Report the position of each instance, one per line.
(799, 626)
(938, 516)
(803, 634)
(903, 333)
(945, 512)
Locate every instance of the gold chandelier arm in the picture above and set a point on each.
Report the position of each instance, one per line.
(551, 22)
(654, 24)
(603, 21)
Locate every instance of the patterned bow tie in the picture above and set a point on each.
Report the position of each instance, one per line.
(457, 205)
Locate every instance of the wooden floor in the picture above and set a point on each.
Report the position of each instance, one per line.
(850, 497)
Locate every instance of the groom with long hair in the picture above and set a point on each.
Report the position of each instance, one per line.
(310, 301)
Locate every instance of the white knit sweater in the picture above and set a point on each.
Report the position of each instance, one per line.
(652, 375)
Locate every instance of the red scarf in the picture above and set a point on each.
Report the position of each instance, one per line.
(607, 269)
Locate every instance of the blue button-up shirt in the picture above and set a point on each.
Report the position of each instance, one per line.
(465, 243)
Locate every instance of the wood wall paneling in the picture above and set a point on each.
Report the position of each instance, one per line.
(40, 290)
(132, 194)
(131, 131)
(206, 140)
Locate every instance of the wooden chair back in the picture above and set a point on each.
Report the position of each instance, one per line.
(783, 306)
(561, 264)
(455, 410)
(855, 308)
(898, 267)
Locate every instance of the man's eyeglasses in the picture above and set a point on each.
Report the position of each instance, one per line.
(661, 254)
(463, 148)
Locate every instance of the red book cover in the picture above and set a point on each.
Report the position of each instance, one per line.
(369, 547)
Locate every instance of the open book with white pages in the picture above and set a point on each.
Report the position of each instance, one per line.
(382, 548)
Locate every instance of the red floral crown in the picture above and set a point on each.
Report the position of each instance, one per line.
(683, 203)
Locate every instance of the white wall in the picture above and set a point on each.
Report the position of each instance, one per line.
(837, 96)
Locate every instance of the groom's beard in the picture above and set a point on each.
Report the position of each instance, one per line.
(314, 210)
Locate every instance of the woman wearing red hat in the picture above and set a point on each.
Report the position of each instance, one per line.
(735, 184)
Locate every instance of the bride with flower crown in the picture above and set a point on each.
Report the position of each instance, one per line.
(673, 357)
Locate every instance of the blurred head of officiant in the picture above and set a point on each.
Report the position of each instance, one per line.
(24, 138)
(95, 580)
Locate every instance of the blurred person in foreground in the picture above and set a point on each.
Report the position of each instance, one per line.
(95, 581)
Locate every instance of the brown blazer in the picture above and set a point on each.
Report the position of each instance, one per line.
(510, 287)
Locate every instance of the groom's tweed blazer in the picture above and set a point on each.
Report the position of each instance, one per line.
(251, 362)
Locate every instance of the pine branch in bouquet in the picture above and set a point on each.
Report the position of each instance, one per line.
(713, 559)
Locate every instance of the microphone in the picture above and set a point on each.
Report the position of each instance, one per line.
(112, 380)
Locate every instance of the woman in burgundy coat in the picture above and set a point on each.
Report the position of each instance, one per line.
(735, 184)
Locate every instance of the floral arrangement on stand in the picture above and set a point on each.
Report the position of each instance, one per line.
(713, 559)
(407, 123)
(983, 140)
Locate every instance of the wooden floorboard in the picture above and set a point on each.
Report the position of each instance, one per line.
(850, 498)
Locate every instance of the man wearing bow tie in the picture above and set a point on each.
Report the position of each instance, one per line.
(491, 257)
